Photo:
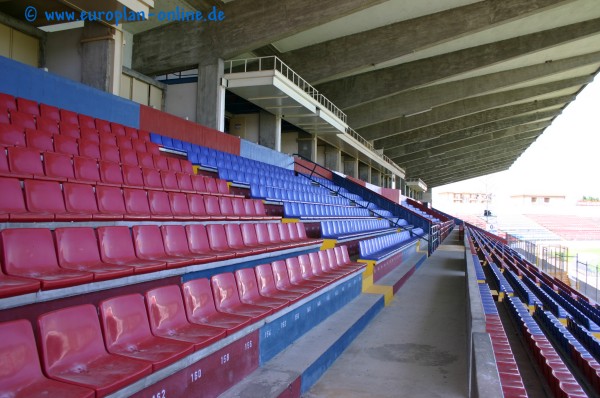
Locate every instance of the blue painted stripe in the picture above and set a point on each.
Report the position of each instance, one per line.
(420, 262)
(35, 84)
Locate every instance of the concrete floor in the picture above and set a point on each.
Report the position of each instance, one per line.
(416, 347)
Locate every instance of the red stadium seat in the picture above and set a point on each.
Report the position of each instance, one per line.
(110, 173)
(70, 129)
(68, 116)
(25, 162)
(107, 139)
(145, 160)
(149, 246)
(118, 129)
(14, 286)
(116, 247)
(128, 156)
(103, 126)
(239, 210)
(275, 235)
(250, 208)
(77, 249)
(86, 121)
(127, 332)
(37, 261)
(110, 202)
(308, 274)
(235, 241)
(47, 125)
(7, 102)
(124, 142)
(319, 262)
(282, 279)
(169, 181)
(144, 135)
(86, 169)
(160, 208)
(65, 144)
(12, 202)
(151, 179)
(226, 207)
(110, 153)
(50, 112)
(186, 166)
(11, 135)
(22, 120)
(138, 145)
(45, 199)
(211, 204)
(22, 376)
(174, 164)
(136, 204)
(227, 298)
(296, 277)
(251, 239)
(160, 162)
(89, 149)
(28, 106)
(211, 185)
(166, 313)
(267, 287)
(79, 357)
(249, 294)
(132, 176)
(184, 183)
(264, 238)
(217, 238)
(176, 244)
(197, 208)
(200, 308)
(151, 147)
(132, 132)
(198, 183)
(179, 206)
(39, 140)
(199, 244)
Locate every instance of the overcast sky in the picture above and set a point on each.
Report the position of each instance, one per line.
(564, 160)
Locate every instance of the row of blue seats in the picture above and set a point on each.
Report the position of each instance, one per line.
(478, 269)
(587, 338)
(421, 212)
(270, 193)
(522, 290)
(332, 186)
(547, 301)
(316, 211)
(572, 311)
(250, 176)
(521, 313)
(383, 246)
(582, 306)
(489, 305)
(344, 229)
(501, 281)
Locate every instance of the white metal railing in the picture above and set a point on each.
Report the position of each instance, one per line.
(274, 63)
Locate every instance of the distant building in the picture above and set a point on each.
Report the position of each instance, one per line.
(537, 199)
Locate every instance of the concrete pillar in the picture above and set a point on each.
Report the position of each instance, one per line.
(210, 108)
(364, 172)
(269, 131)
(351, 166)
(98, 56)
(333, 158)
(307, 147)
(402, 186)
(427, 197)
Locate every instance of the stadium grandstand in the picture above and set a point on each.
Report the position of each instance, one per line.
(232, 198)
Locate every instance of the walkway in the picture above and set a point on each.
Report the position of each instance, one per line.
(416, 347)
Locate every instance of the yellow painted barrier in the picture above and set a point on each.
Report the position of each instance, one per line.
(289, 220)
(387, 291)
(328, 244)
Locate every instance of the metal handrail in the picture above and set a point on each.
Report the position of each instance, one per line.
(274, 63)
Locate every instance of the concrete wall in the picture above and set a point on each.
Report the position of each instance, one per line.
(63, 53)
(245, 126)
(180, 100)
(254, 151)
(289, 142)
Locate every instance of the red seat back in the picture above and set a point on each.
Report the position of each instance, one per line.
(148, 241)
(11, 135)
(86, 121)
(165, 309)
(249, 234)
(234, 237)
(103, 126)
(211, 204)
(28, 106)
(179, 204)
(281, 275)
(77, 246)
(110, 172)
(198, 183)
(22, 120)
(118, 129)
(175, 240)
(86, 169)
(211, 184)
(294, 270)
(110, 153)
(160, 162)
(80, 198)
(151, 178)
(124, 321)
(25, 161)
(284, 232)
(262, 234)
(136, 202)
(169, 180)
(217, 237)
(247, 285)
(174, 164)
(196, 205)
(64, 144)
(21, 257)
(159, 204)
(129, 157)
(7, 102)
(225, 292)
(187, 167)
(89, 149)
(184, 182)
(250, 208)
(47, 125)
(124, 142)
(198, 299)
(265, 279)
(197, 239)
(132, 176)
(69, 129)
(90, 135)
(39, 140)
(238, 207)
(44, 197)
(274, 234)
(116, 244)
(11, 200)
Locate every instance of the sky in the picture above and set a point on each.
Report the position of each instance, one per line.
(563, 160)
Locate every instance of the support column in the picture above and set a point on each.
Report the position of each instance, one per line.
(350, 166)
(210, 108)
(269, 131)
(402, 186)
(98, 56)
(375, 177)
(427, 197)
(307, 147)
(333, 158)
(364, 172)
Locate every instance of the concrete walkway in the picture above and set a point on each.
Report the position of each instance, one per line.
(416, 347)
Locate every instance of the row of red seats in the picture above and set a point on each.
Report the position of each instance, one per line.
(102, 350)
(75, 255)
(30, 162)
(99, 147)
(39, 200)
(27, 114)
(510, 377)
